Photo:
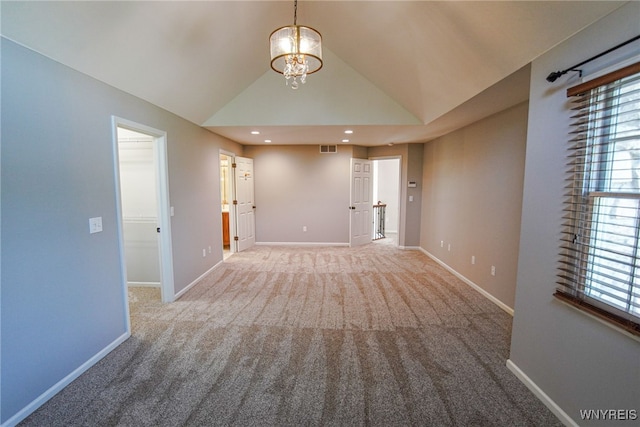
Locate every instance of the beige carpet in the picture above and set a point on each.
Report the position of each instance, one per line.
(309, 336)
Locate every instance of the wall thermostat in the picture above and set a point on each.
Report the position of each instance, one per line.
(412, 184)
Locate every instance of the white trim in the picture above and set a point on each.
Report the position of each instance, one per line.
(195, 282)
(144, 284)
(541, 395)
(301, 244)
(56, 388)
(120, 224)
(486, 294)
(411, 248)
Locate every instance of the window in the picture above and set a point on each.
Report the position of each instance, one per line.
(600, 251)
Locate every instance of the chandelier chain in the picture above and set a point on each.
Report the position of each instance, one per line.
(295, 12)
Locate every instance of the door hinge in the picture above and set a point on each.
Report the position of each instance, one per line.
(235, 238)
(233, 165)
(235, 202)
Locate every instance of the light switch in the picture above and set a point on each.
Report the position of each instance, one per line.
(411, 198)
(95, 225)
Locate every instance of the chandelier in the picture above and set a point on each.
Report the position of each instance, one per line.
(296, 51)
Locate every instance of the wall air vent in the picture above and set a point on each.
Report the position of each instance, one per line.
(328, 148)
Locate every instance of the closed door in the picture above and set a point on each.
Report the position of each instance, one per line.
(360, 222)
(245, 203)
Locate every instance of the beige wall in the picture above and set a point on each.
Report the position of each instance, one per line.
(62, 287)
(296, 187)
(472, 197)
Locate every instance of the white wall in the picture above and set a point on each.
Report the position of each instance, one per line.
(62, 296)
(578, 362)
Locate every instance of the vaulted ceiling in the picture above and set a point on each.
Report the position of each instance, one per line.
(394, 71)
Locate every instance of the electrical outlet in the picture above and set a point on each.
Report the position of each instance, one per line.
(449, 247)
(493, 270)
(304, 228)
(473, 259)
(209, 249)
(204, 253)
(442, 243)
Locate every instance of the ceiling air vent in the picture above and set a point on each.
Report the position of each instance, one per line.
(328, 148)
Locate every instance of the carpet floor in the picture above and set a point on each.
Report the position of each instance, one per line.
(283, 336)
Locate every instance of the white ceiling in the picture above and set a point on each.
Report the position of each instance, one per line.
(394, 71)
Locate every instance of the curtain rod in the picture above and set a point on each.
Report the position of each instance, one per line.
(556, 74)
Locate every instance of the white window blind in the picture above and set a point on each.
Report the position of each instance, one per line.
(600, 251)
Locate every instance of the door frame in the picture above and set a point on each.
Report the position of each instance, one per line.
(232, 194)
(164, 209)
(399, 201)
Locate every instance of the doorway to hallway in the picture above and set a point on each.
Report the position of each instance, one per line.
(386, 191)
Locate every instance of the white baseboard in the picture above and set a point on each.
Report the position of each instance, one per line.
(486, 294)
(144, 284)
(301, 244)
(44, 397)
(192, 284)
(410, 248)
(541, 395)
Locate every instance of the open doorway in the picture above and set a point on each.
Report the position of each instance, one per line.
(143, 211)
(136, 154)
(386, 192)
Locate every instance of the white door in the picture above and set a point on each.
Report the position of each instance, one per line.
(361, 204)
(244, 204)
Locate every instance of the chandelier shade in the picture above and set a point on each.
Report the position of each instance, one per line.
(296, 51)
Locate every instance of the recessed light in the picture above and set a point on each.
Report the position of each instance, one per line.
(255, 132)
(345, 140)
(348, 131)
(267, 141)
